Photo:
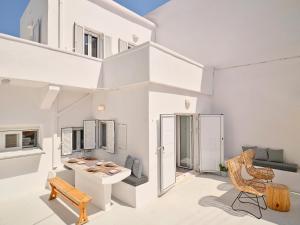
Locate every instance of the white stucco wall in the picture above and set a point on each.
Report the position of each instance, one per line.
(169, 68)
(20, 107)
(127, 68)
(261, 106)
(91, 16)
(168, 100)
(127, 106)
(35, 10)
(225, 33)
(26, 60)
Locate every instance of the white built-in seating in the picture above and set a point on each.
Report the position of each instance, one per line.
(132, 189)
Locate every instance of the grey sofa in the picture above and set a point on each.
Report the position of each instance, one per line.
(273, 158)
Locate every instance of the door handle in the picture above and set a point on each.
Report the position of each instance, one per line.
(161, 148)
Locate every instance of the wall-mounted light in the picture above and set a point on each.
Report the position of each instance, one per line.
(187, 104)
(100, 108)
(135, 38)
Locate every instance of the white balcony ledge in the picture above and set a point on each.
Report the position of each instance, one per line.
(151, 63)
(21, 153)
(26, 60)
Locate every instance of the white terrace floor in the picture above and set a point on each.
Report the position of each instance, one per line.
(195, 200)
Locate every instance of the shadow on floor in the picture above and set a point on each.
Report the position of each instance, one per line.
(66, 211)
(224, 202)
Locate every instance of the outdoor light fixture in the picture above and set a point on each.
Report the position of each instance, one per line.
(187, 104)
(135, 38)
(101, 108)
(5, 81)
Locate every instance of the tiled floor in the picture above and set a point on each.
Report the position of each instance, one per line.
(195, 200)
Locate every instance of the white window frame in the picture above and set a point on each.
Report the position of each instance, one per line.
(18, 132)
(100, 38)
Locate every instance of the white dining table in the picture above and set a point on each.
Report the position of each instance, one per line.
(97, 185)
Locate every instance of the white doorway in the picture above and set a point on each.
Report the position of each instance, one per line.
(184, 148)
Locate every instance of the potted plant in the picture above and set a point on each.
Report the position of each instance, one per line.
(223, 170)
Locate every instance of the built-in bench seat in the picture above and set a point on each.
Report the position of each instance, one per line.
(70, 193)
(132, 191)
(272, 158)
(276, 165)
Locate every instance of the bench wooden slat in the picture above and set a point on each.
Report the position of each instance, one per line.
(78, 198)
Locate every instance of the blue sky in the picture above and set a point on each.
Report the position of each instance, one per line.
(11, 11)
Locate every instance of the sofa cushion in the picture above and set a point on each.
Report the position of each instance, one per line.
(261, 154)
(129, 162)
(276, 165)
(137, 168)
(134, 181)
(247, 147)
(275, 155)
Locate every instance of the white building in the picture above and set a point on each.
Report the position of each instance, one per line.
(93, 59)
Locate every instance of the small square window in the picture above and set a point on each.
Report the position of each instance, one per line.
(29, 139)
(11, 141)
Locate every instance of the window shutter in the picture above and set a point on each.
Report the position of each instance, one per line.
(36, 33)
(110, 136)
(90, 131)
(123, 45)
(78, 39)
(107, 46)
(66, 141)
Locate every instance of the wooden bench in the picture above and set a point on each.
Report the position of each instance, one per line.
(76, 197)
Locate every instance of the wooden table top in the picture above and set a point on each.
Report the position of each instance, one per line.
(276, 186)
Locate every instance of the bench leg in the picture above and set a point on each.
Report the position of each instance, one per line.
(53, 193)
(82, 214)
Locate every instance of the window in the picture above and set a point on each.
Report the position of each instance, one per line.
(29, 138)
(107, 135)
(18, 139)
(71, 140)
(103, 135)
(93, 45)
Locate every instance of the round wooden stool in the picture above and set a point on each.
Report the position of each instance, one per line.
(278, 197)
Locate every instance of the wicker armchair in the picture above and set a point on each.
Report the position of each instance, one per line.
(265, 174)
(251, 190)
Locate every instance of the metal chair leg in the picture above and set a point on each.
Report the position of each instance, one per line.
(252, 198)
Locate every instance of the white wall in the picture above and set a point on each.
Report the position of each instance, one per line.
(36, 9)
(26, 60)
(225, 33)
(172, 70)
(90, 15)
(127, 68)
(261, 106)
(128, 106)
(20, 107)
(168, 100)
